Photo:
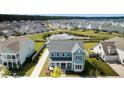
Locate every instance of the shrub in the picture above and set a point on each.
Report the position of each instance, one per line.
(56, 72)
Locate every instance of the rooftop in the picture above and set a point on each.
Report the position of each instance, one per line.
(119, 42)
(108, 45)
(12, 44)
(64, 45)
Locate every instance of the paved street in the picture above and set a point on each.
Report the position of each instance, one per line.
(40, 64)
(118, 68)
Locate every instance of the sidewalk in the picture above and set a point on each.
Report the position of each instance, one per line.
(118, 68)
(40, 64)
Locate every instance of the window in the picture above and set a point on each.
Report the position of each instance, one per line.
(5, 64)
(52, 54)
(68, 66)
(68, 54)
(103, 56)
(78, 58)
(99, 47)
(17, 55)
(8, 57)
(57, 54)
(62, 54)
(78, 66)
(13, 56)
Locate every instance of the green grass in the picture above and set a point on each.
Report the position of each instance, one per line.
(38, 36)
(103, 68)
(38, 45)
(91, 33)
(88, 46)
(25, 70)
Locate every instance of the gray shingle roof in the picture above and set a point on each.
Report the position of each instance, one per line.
(64, 45)
(14, 44)
(119, 42)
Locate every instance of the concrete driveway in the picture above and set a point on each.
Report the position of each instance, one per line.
(40, 64)
(118, 68)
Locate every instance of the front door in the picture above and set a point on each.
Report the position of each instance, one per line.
(63, 66)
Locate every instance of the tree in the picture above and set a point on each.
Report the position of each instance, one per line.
(56, 72)
(4, 71)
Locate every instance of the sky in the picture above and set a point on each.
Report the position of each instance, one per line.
(63, 7)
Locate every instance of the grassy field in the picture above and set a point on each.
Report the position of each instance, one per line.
(38, 36)
(92, 33)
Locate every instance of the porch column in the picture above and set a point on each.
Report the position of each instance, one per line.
(65, 66)
(12, 65)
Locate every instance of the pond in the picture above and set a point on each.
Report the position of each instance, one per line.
(65, 36)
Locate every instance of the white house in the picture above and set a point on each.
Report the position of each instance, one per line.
(119, 43)
(106, 51)
(14, 51)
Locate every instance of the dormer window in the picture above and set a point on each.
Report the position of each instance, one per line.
(111, 50)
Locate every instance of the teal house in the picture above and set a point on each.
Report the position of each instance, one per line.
(68, 54)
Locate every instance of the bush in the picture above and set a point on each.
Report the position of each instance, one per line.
(56, 72)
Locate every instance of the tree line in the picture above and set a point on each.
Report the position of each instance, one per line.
(6, 17)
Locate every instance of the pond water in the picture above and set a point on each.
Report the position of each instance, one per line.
(65, 36)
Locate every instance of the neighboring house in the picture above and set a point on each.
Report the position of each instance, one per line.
(106, 51)
(67, 54)
(14, 51)
(119, 43)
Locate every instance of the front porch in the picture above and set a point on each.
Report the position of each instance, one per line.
(65, 66)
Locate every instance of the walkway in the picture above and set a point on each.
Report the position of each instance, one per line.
(118, 68)
(40, 64)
